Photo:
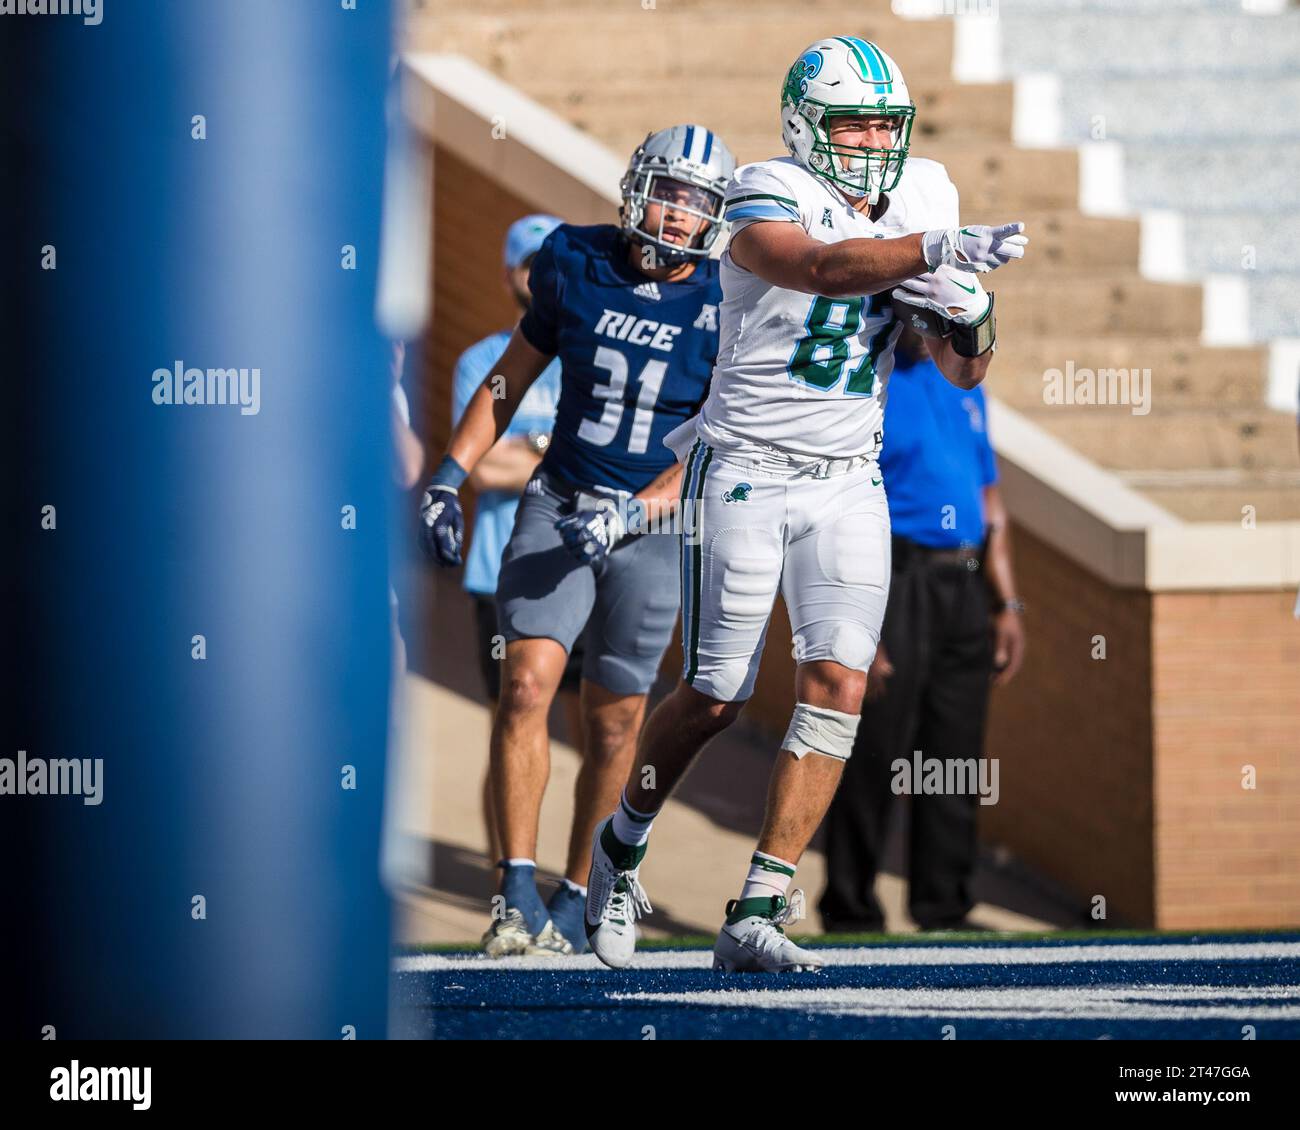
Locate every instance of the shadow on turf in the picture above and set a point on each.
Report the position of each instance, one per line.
(467, 879)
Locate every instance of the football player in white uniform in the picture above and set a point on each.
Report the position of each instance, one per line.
(831, 248)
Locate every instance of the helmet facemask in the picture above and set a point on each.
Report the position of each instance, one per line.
(691, 210)
(858, 170)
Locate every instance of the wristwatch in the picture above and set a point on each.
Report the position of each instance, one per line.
(1015, 604)
(538, 442)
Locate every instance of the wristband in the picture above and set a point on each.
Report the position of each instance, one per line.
(449, 474)
(975, 339)
(968, 339)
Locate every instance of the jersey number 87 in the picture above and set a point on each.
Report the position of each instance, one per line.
(820, 356)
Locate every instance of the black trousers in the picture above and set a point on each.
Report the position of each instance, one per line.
(937, 636)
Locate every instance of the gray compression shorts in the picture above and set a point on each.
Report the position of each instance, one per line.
(627, 605)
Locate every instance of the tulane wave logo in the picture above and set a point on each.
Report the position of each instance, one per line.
(812, 64)
(808, 66)
(738, 493)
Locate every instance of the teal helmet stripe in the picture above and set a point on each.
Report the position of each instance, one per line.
(876, 53)
(871, 63)
(858, 57)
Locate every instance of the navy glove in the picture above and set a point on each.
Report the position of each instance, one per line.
(442, 522)
(591, 533)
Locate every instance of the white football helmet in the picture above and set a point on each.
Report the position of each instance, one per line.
(687, 169)
(846, 75)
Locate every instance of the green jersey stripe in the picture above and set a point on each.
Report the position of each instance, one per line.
(760, 196)
(697, 566)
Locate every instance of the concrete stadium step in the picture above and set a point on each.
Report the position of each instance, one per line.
(1065, 240)
(1262, 242)
(607, 43)
(1274, 305)
(1002, 183)
(1037, 305)
(1176, 108)
(1202, 496)
(1250, 439)
(1126, 40)
(1109, 7)
(1233, 176)
(996, 184)
(1182, 376)
(750, 106)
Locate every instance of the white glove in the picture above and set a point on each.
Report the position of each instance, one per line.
(944, 291)
(974, 248)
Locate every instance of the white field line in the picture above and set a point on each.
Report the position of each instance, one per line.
(1154, 1002)
(884, 955)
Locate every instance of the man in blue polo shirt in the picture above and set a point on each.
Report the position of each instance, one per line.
(952, 628)
(499, 480)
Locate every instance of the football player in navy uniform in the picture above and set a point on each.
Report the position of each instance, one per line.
(631, 311)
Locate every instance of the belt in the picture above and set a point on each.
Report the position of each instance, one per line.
(574, 497)
(576, 492)
(906, 551)
(827, 468)
(773, 461)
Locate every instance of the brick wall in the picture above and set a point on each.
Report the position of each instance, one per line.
(1226, 695)
(470, 300)
(1073, 736)
(1122, 776)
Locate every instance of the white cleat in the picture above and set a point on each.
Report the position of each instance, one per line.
(615, 899)
(509, 936)
(550, 943)
(752, 940)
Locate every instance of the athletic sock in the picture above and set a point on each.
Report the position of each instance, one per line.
(567, 907)
(767, 876)
(631, 827)
(519, 886)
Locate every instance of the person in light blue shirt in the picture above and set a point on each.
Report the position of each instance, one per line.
(508, 466)
(499, 479)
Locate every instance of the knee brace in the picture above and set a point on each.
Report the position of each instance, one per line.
(818, 729)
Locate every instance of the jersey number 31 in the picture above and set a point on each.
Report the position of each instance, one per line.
(601, 432)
